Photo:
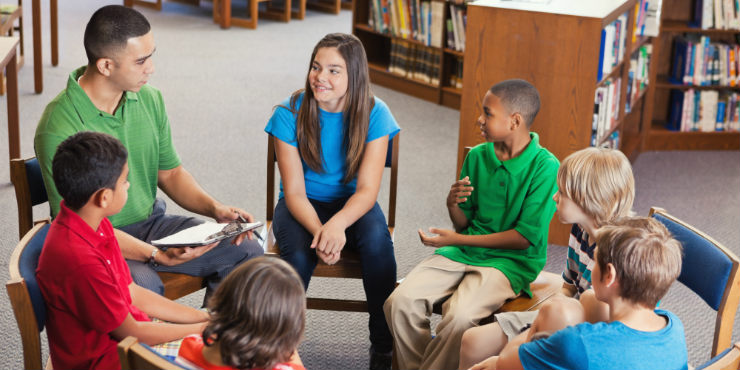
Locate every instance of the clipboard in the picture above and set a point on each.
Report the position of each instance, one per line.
(204, 234)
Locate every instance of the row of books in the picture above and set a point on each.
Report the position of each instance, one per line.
(456, 23)
(414, 61)
(637, 80)
(606, 109)
(409, 19)
(613, 38)
(705, 111)
(456, 72)
(647, 18)
(698, 61)
(719, 14)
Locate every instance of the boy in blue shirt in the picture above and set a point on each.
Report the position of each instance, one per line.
(637, 260)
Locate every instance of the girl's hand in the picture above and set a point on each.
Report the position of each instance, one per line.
(330, 239)
(444, 237)
(459, 192)
(328, 259)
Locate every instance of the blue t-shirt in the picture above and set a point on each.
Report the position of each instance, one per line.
(328, 186)
(609, 346)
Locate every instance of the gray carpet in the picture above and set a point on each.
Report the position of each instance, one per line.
(220, 87)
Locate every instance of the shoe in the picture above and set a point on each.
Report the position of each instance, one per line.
(380, 360)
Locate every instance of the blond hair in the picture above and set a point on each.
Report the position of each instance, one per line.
(600, 182)
(645, 256)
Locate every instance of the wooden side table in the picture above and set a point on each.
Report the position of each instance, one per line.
(38, 77)
(8, 49)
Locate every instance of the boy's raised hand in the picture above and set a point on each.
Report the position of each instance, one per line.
(443, 238)
(459, 192)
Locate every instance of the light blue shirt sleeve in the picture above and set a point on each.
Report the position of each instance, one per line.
(382, 123)
(282, 124)
(563, 350)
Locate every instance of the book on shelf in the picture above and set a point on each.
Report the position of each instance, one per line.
(455, 27)
(698, 61)
(612, 142)
(611, 51)
(606, 109)
(705, 111)
(417, 20)
(456, 72)
(415, 61)
(640, 14)
(717, 14)
(637, 80)
(652, 18)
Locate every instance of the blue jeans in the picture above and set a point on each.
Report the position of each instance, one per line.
(213, 266)
(368, 235)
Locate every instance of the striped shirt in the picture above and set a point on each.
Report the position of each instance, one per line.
(580, 259)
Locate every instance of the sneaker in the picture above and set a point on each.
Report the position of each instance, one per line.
(380, 360)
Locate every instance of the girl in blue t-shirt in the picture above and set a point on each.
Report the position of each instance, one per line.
(331, 140)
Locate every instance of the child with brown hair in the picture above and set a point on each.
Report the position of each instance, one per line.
(636, 262)
(257, 320)
(595, 187)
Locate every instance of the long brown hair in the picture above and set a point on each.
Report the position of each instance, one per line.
(257, 314)
(359, 102)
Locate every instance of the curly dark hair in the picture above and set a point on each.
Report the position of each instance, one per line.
(257, 314)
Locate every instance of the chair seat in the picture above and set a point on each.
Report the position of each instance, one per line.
(8, 14)
(179, 285)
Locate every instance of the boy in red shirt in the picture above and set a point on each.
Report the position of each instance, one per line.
(91, 301)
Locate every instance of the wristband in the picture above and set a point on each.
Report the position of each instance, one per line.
(154, 254)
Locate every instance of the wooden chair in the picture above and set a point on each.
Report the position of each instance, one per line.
(711, 271)
(349, 265)
(138, 356)
(222, 13)
(25, 295)
(9, 14)
(729, 359)
(326, 6)
(25, 174)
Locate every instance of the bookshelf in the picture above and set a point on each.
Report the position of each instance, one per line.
(675, 18)
(555, 46)
(378, 47)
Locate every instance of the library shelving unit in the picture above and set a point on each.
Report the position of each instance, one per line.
(556, 47)
(675, 18)
(378, 50)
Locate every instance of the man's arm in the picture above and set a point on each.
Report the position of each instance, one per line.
(137, 250)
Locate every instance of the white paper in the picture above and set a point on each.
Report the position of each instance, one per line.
(198, 235)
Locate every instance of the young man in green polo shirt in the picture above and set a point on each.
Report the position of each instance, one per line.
(111, 95)
(501, 210)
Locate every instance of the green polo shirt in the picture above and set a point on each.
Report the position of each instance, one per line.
(515, 194)
(140, 123)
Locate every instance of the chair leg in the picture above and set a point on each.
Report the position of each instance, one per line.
(299, 14)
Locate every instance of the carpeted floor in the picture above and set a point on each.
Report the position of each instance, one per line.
(220, 87)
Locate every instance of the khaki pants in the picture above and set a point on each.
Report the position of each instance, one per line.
(474, 293)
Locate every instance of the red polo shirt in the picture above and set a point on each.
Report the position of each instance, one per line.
(84, 280)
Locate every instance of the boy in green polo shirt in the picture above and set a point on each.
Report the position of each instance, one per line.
(501, 210)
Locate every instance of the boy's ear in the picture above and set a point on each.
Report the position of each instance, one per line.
(102, 197)
(516, 121)
(609, 275)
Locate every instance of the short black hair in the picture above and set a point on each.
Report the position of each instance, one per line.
(85, 163)
(109, 29)
(518, 96)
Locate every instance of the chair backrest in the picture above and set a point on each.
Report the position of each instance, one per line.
(137, 356)
(25, 295)
(710, 270)
(729, 359)
(391, 161)
(25, 174)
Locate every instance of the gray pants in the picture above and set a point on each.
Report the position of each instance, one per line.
(213, 266)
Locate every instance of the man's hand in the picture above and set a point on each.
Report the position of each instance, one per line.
(487, 364)
(444, 237)
(223, 214)
(176, 256)
(459, 192)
